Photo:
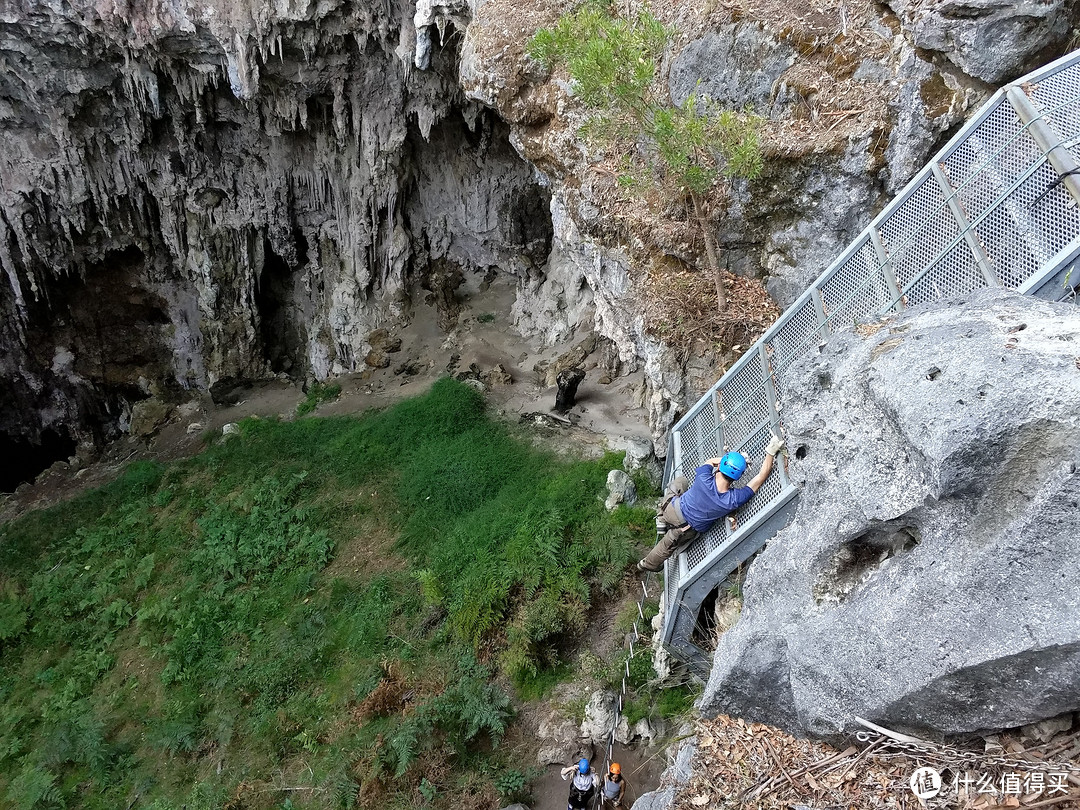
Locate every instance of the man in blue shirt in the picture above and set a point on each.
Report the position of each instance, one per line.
(691, 511)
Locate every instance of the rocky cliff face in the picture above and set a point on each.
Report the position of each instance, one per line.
(926, 581)
(195, 195)
(854, 106)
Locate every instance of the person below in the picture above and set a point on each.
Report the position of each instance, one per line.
(583, 785)
(614, 786)
(690, 511)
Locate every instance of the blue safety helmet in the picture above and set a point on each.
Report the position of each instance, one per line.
(583, 766)
(733, 465)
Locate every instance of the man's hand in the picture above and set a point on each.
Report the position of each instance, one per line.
(775, 445)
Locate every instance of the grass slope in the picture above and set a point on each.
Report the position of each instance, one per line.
(176, 639)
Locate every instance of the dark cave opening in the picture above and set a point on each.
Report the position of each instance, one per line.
(91, 343)
(25, 460)
(704, 634)
(273, 301)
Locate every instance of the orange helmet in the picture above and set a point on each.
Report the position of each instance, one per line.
(615, 769)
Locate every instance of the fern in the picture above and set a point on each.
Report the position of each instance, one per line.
(535, 548)
(13, 619)
(34, 787)
(430, 587)
(480, 606)
(11, 722)
(470, 707)
(406, 742)
(74, 734)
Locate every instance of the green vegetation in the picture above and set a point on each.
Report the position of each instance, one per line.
(644, 697)
(317, 394)
(231, 631)
(612, 62)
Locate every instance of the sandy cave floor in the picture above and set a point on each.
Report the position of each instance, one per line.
(604, 414)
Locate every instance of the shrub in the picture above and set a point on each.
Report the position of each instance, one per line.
(612, 62)
(317, 394)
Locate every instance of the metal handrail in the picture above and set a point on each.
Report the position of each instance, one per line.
(1039, 151)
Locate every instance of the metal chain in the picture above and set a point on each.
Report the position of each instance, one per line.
(636, 638)
(952, 755)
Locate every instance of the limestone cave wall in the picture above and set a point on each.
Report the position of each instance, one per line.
(197, 195)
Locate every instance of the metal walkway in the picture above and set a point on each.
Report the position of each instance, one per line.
(997, 205)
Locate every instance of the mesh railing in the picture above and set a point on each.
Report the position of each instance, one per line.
(997, 205)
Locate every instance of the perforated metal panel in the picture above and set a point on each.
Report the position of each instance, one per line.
(956, 273)
(800, 332)
(700, 548)
(700, 437)
(857, 289)
(990, 214)
(1028, 227)
(743, 402)
(993, 156)
(1055, 97)
(916, 234)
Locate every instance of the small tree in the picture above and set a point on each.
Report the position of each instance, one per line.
(695, 148)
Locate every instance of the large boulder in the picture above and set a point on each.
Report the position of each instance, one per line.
(928, 581)
(620, 489)
(677, 774)
(640, 456)
(147, 416)
(600, 717)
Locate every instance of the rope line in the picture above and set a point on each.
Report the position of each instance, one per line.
(620, 699)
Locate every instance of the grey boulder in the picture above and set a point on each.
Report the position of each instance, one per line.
(148, 415)
(620, 489)
(928, 581)
(640, 456)
(678, 774)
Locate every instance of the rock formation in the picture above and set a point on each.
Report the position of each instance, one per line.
(197, 195)
(927, 580)
(985, 39)
(194, 195)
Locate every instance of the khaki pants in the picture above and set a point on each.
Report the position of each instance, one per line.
(679, 532)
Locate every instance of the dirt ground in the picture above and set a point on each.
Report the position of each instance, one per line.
(641, 769)
(484, 335)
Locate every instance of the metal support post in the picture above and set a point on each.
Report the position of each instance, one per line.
(887, 270)
(972, 238)
(1060, 158)
(819, 307)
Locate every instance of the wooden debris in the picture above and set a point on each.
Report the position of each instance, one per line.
(741, 765)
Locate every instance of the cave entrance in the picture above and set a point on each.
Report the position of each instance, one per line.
(26, 460)
(704, 634)
(719, 610)
(273, 301)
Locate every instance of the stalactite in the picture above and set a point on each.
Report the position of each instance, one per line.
(8, 263)
(198, 152)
